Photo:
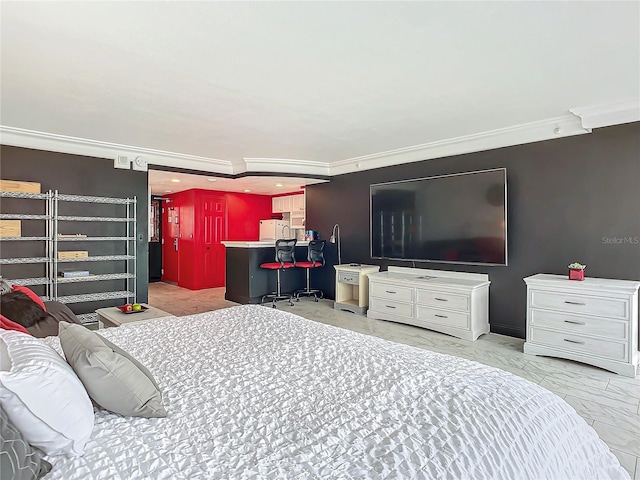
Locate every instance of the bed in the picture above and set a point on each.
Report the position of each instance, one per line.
(254, 392)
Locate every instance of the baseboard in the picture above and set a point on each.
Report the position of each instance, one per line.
(241, 299)
(508, 330)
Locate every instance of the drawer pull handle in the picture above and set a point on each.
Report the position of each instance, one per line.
(441, 316)
(574, 303)
(389, 291)
(442, 299)
(573, 341)
(575, 323)
(390, 306)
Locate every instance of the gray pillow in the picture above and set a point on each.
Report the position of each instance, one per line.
(60, 312)
(114, 379)
(18, 459)
(48, 326)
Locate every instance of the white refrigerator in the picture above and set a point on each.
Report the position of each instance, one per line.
(273, 230)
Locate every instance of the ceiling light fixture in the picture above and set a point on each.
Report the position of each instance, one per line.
(279, 185)
(175, 180)
(168, 191)
(212, 179)
(246, 190)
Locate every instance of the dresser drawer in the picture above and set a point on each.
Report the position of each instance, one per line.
(402, 294)
(391, 307)
(607, 307)
(442, 300)
(581, 344)
(349, 277)
(582, 325)
(442, 317)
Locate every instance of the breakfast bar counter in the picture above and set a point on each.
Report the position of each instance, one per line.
(262, 244)
(246, 282)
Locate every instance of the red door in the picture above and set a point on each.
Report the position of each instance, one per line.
(170, 246)
(214, 230)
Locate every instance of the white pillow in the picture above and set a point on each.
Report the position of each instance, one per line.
(42, 395)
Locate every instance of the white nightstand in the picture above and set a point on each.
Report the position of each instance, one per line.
(352, 287)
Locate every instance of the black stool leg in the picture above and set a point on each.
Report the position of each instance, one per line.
(277, 295)
(307, 291)
(287, 296)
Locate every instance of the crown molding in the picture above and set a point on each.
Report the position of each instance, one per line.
(579, 121)
(21, 137)
(597, 116)
(558, 127)
(286, 165)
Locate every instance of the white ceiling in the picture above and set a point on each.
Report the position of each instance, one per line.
(163, 183)
(311, 87)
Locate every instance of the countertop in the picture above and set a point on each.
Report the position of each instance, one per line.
(259, 244)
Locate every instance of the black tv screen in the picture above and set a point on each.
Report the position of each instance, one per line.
(459, 218)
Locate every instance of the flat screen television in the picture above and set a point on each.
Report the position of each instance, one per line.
(458, 218)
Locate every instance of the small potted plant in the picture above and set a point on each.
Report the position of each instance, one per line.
(576, 271)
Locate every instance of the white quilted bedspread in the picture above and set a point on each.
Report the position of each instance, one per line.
(254, 392)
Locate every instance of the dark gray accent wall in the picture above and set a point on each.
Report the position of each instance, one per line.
(246, 282)
(575, 199)
(79, 175)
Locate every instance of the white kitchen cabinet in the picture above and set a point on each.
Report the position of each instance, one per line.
(286, 203)
(297, 211)
(293, 204)
(276, 204)
(297, 204)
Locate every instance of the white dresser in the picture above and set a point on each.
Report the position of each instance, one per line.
(594, 321)
(455, 303)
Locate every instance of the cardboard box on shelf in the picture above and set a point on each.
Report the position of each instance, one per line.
(10, 228)
(73, 254)
(18, 186)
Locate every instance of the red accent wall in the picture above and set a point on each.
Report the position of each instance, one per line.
(244, 211)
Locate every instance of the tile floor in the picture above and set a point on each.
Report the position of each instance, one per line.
(608, 402)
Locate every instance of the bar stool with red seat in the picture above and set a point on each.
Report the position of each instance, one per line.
(315, 259)
(285, 258)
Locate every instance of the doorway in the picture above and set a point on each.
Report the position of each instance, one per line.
(155, 240)
(194, 225)
(171, 233)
